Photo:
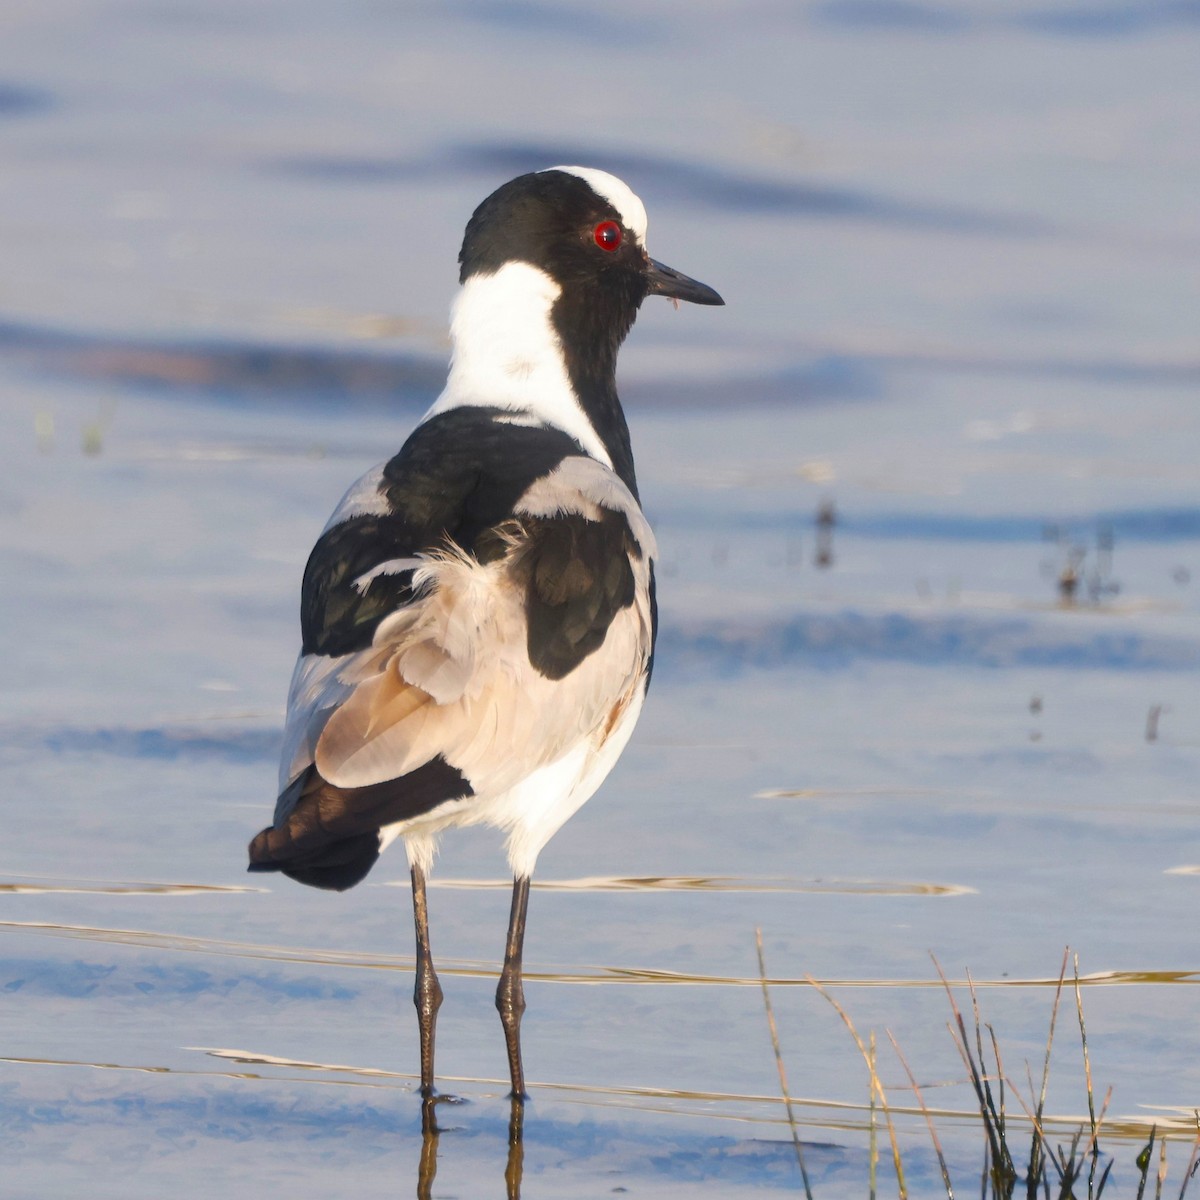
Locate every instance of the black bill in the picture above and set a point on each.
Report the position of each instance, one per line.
(665, 281)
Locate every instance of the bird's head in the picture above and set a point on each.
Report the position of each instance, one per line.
(586, 231)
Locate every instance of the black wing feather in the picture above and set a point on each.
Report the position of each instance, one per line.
(578, 576)
(455, 480)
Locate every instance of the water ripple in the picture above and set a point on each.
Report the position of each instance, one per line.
(233, 371)
(714, 883)
(17, 100)
(1111, 19)
(590, 975)
(113, 888)
(165, 743)
(699, 649)
(755, 1108)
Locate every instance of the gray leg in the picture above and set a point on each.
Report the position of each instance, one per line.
(510, 996)
(427, 992)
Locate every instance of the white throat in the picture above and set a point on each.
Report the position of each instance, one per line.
(507, 355)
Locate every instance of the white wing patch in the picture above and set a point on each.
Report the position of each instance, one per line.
(393, 566)
(365, 497)
(583, 486)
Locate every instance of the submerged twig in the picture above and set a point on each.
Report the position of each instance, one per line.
(783, 1084)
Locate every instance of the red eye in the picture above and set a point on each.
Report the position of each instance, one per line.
(607, 235)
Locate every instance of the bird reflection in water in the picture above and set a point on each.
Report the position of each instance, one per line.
(430, 1133)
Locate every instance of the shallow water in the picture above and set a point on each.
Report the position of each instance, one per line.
(958, 245)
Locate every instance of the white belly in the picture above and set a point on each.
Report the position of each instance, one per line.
(532, 811)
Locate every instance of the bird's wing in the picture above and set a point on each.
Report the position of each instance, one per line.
(359, 572)
(500, 663)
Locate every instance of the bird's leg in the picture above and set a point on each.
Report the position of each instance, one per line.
(427, 992)
(510, 996)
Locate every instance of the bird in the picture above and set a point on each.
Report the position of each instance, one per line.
(478, 616)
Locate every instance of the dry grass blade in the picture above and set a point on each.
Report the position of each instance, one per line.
(1162, 1169)
(1000, 1169)
(873, 1127)
(1071, 1166)
(997, 1112)
(1068, 1166)
(783, 1084)
(1087, 1074)
(1093, 1148)
(937, 1145)
(990, 1093)
(876, 1084)
(1037, 1152)
(999, 1075)
(1037, 1156)
(1062, 1165)
(1193, 1162)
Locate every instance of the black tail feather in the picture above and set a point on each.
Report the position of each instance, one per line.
(334, 867)
(328, 837)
